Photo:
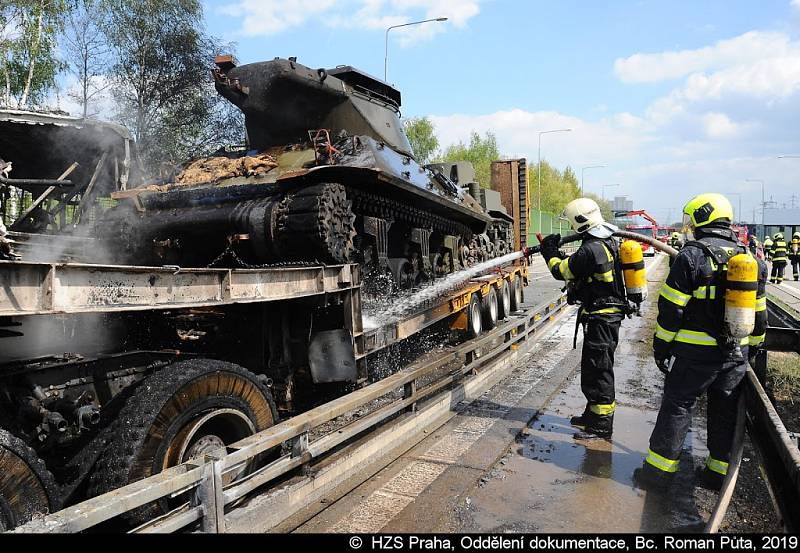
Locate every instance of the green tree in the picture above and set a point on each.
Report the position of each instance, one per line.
(28, 62)
(558, 189)
(422, 135)
(161, 79)
(481, 152)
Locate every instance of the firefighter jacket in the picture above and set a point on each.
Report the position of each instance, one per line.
(779, 250)
(691, 304)
(594, 276)
(767, 246)
(676, 243)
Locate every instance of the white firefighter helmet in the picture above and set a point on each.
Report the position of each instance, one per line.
(584, 215)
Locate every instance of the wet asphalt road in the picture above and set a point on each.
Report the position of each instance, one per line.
(508, 461)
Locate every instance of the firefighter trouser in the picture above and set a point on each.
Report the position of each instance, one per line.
(686, 381)
(778, 268)
(796, 267)
(600, 337)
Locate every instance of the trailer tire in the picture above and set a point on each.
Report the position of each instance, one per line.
(516, 294)
(181, 412)
(26, 486)
(474, 317)
(490, 309)
(504, 292)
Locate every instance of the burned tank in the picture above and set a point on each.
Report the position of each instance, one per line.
(327, 176)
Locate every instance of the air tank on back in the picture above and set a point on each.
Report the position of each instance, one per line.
(327, 176)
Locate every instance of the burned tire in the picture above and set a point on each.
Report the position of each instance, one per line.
(474, 317)
(26, 486)
(182, 412)
(505, 299)
(516, 294)
(490, 309)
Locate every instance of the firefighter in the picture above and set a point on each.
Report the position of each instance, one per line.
(594, 280)
(676, 242)
(767, 247)
(691, 347)
(795, 255)
(752, 244)
(779, 259)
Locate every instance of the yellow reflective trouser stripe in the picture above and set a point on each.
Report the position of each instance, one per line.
(553, 262)
(699, 338)
(664, 334)
(705, 292)
(720, 467)
(603, 409)
(756, 340)
(675, 296)
(608, 276)
(761, 304)
(661, 463)
(605, 311)
(564, 270)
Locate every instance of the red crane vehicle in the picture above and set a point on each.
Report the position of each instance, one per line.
(650, 229)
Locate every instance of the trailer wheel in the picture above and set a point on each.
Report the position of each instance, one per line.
(490, 309)
(26, 487)
(516, 294)
(505, 299)
(182, 412)
(474, 316)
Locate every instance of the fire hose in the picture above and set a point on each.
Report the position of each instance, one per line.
(729, 483)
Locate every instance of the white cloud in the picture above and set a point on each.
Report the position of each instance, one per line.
(269, 17)
(796, 4)
(613, 139)
(741, 50)
(719, 125)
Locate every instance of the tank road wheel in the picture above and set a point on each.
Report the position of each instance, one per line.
(182, 412)
(516, 294)
(26, 486)
(474, 317)
(490, 309)
(505, 299)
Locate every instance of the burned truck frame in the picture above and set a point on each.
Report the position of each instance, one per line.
(111, 373)
(123, 361)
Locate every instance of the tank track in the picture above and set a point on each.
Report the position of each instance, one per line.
(377, 205)
(317, 221)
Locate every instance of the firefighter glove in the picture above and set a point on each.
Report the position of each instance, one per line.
(550, 245)
(661, 354)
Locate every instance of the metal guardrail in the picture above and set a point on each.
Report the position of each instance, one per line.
(777, 452)
(777, 448)
(204, 479)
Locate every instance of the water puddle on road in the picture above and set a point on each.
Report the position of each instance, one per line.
(550, 482)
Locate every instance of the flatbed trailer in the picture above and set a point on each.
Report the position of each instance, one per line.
(82, 343)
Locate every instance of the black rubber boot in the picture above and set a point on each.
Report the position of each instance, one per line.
(708, 479)
(580, 420)
(597, 427)
(651, 479)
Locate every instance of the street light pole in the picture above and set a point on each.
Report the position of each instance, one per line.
(763, 204)
(539, 171)
(603, 190)
(386, 45)
(588, 167)
(738, 213)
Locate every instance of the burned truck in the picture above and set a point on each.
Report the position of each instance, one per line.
(327, 176)
(210, 301)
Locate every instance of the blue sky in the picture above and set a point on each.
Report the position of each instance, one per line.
(676, 97)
